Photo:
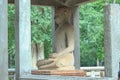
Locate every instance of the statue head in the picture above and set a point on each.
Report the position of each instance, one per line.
(62, 15)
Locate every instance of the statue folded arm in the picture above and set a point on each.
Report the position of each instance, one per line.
(70, 41)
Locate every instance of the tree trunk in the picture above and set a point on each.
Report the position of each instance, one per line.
(37, 53)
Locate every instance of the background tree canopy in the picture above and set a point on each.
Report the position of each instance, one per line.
(91, 31)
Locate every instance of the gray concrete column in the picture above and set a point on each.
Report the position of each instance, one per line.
(112, 40)
(3, 40)
(22, 38)
(76, 37)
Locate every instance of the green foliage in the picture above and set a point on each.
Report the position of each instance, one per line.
(41, 24)
(112, 1)
(91, 29)
(42, 27)
(11, 37)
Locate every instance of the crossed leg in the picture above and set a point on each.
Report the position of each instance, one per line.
(62, 62)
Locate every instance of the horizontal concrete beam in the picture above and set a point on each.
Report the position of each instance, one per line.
(49, 77)
(55, 2)
(83, 68)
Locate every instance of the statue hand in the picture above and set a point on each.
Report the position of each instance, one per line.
(53, 55)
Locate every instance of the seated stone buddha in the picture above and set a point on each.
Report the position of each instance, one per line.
(62, 58)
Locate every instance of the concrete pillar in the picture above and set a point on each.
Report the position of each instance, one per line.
(53, 29)
(22, 38)
(76, 37)
(112, 40)
(3, 40)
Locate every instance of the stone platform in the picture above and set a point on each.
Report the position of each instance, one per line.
(81, 73)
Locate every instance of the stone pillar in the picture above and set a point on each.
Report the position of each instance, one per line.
(77, 37)
(22, 38)
(112, 40)
(53, 29)
(3, 40)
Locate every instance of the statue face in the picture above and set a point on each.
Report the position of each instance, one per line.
(59, 17)
(62, 15)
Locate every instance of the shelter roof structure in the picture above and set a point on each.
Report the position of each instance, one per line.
(58, 3)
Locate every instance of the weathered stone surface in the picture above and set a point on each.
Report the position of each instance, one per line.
(22, 38)
(3, 40)
(77, 37)
(80, 73)
(112, 39)
(46, 77)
